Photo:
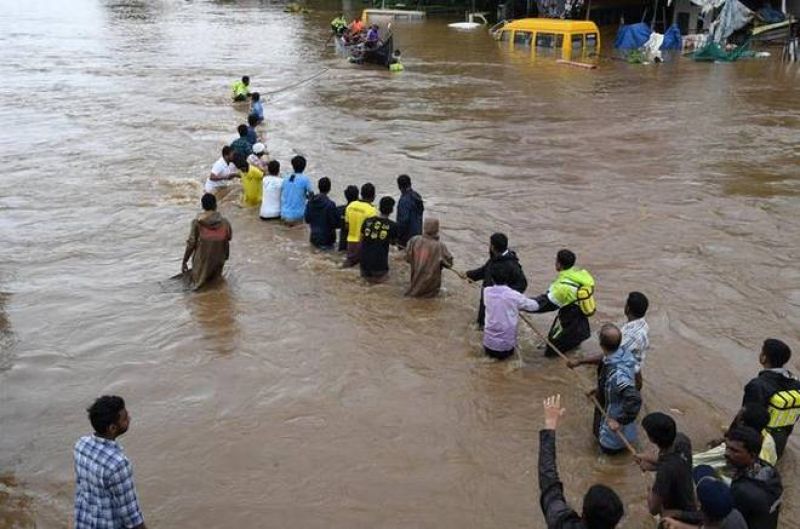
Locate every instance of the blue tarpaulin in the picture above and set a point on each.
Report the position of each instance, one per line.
(632, 36)
(672, 38)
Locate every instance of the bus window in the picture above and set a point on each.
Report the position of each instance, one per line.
(522, 38)
(505, 36)
(577, 42)
(545, 40)
(591, 40)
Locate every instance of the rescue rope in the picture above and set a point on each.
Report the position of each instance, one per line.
(293, 85)
(581, 380)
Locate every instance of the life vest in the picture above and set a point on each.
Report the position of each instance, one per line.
(575, 287)
(396, 67)
(784, 408)
(239, 89)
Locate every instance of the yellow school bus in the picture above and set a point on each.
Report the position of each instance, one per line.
(570, 38)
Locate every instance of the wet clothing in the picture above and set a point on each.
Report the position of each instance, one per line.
(757, 495)
(622, 400)
(761, 389)
(271, 188)
(636, 340)
(257, 110)
(342, 227)
(251, 186)
(242, 146)
(222, 169)
(502, 316)
(355, 214)
(209, 240)
(409, 216)
(427, 256)
(295, 190)
(673, 482)
(323, 220)
(557, 513)
(252, 135)
(570, 326)
(510, 263)
(377, 233)
(499, 355)
(105, 494)
(240, 91)
(356, 26)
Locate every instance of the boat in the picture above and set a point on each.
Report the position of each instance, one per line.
(358, 54)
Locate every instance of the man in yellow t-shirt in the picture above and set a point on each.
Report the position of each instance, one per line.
(356, 213)
(251, 182)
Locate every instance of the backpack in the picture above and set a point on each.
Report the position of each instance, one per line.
(784, 408)
(585, 297)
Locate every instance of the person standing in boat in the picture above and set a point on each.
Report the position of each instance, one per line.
(373, 39)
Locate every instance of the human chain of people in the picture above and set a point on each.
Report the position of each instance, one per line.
(734, 484)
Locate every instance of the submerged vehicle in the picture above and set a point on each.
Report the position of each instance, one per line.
(567, 38)
(372, 16)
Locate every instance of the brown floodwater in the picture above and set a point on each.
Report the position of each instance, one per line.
(294, 395)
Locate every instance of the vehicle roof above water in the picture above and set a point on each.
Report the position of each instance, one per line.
(551, 24)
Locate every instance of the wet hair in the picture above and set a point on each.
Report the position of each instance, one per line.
(242, 130)
(754, 416)
(637, 304)
(499, 242)
(351, 193)
(750, 438)
(565, 258)
(252, 120)
(386, 205)
(403, 182)
(610, 337)
(368, 192)
(209, 202)
(602, 508)
(105, 411)
(298, 164)
(246, 79)
(226, 151)
(324, 184)
(274, 167)
(660, 428)
(255, 96)
(776, 352)
(241, 162)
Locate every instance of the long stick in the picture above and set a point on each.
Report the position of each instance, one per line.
(591, 397)
(324, 71)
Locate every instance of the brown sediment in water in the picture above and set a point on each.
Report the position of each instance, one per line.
(292, 394)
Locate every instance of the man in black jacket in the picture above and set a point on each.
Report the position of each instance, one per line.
(499, 257)
(602, 508)
(322, 217)
(410, 208)
(775, 381)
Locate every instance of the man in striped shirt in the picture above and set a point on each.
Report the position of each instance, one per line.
(105, 495)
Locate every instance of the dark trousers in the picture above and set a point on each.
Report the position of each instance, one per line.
(498, 355)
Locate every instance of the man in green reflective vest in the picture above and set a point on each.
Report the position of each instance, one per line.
(571, 295)
(241, 89)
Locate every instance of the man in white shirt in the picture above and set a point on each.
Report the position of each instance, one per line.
(271, 192)
(222, 172)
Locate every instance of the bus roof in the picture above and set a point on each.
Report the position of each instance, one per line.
(551, 24)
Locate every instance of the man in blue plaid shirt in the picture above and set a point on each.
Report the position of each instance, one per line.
(105, 496)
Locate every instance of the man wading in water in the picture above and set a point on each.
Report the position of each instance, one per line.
(207, 245)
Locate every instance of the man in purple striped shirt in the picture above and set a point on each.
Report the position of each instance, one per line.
(502, 315)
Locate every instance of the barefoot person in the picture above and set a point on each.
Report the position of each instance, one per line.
(208, 244)
(105, 494)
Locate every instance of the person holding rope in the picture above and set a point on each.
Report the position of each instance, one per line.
(602, 507)
(503, 304)
(500, 257)
(571, 294)
(622, 399)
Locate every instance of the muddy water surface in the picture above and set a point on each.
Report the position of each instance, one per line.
(295, 396)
